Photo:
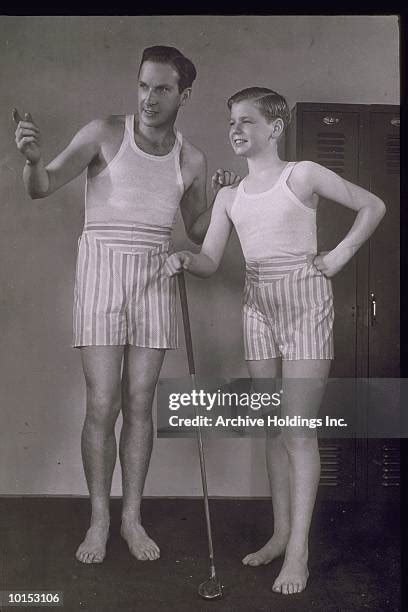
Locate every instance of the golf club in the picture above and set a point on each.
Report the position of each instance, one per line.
(211, 588)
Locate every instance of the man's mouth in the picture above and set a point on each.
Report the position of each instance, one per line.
(238, 141)
(149, 112)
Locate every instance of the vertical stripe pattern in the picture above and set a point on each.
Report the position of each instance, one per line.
(122, 295)
(288, 310)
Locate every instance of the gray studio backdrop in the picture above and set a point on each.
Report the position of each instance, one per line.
(69, 70)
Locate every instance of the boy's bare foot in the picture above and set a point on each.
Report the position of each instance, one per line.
(93, 548)
(275, 547)
(140, 545)
(292, 577)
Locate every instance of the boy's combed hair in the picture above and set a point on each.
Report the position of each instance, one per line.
(170, 55)
(270, 103)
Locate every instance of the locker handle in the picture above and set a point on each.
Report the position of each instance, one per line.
(373, 309)
(331, 120)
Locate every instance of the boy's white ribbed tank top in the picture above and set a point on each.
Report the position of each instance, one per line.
(135, 186)
(274, 223)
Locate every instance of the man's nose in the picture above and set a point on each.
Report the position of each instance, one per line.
(150, 97)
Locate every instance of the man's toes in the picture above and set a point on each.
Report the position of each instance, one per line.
(142, 556)
(277, 588)
(290, 588)
(254, 561)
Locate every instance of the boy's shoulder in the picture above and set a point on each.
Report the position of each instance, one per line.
(226, 197)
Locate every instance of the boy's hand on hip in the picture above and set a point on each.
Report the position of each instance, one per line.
(224, 178)
(330, 263)
(177, 262)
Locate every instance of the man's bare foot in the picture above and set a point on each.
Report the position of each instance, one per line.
(140, 545)
(275, 547)
(292, 577)
(93, 548)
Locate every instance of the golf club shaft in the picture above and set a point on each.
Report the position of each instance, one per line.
(191, 367)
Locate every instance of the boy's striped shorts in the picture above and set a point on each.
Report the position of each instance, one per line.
(288, 310)
(121, 294)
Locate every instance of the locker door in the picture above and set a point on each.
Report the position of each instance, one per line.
(332, 138)
(384, 333)
(384, 291)
(332, 135)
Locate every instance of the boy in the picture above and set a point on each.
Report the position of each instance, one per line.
(288, 301)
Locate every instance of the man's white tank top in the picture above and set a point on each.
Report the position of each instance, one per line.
(135, 186)
(274, 223)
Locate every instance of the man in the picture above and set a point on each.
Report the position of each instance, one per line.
(139, 171)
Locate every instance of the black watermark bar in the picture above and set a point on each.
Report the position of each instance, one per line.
(333, 408)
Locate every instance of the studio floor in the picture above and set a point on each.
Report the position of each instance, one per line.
(354, 557)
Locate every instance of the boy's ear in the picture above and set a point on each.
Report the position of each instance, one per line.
(278, 127)
(185, 96)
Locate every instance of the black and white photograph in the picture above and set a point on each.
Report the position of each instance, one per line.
(200, 313)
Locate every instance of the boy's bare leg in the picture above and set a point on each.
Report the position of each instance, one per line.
(102, 370)
(304, 466)
(141, 369)
(278, 471)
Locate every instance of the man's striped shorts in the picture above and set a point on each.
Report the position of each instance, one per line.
(288, 310)
(122, 295)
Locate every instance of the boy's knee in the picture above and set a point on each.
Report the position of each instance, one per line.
(298, 442)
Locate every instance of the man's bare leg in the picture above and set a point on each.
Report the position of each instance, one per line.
(141, 369)
(278, 471)
(102, 370)
(304, 466)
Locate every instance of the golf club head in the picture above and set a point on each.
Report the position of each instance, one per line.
(210, 589)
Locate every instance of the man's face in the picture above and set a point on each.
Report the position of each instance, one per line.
(158, 94)
(249, 131)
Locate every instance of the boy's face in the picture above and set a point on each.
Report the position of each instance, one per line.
(158, 94)
(250, 133)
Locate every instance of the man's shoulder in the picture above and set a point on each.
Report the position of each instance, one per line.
(104, 128)
(192, 155)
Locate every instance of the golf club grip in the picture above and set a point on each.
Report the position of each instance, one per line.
(186, 321)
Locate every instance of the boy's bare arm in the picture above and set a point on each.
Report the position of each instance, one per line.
(370, 210)
(207, 261)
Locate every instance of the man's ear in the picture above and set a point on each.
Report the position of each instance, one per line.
(185, 96)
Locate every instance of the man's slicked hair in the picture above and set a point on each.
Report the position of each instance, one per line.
(270, 104)
(172, 56)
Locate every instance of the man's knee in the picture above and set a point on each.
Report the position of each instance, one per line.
(103, 405)
(137, 404)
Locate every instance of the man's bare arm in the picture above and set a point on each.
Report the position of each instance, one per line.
(196, 214)
(41, 180)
